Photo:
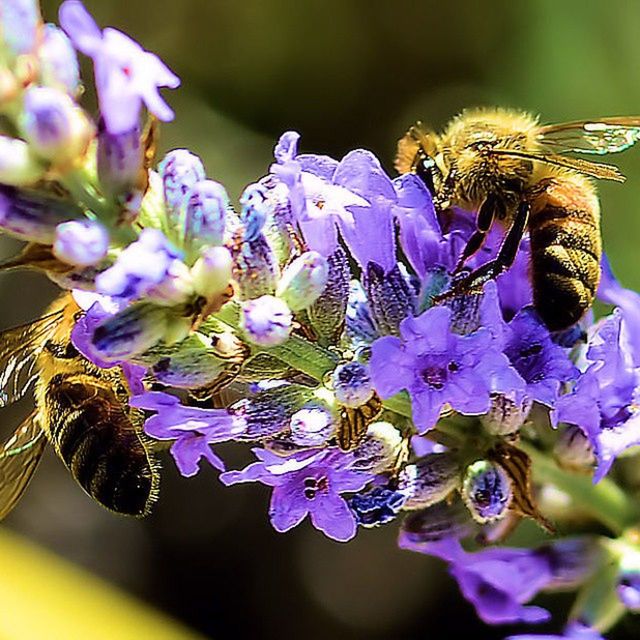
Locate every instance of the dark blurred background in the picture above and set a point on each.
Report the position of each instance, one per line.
(345, 74)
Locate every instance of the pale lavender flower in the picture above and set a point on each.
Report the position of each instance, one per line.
(126, 75)
(19, 20)
(192, 429)
(438, 367)
(81, 242)
(180, 171)
(307, 483)
(266, 321)
(205, 211)
(58, 61)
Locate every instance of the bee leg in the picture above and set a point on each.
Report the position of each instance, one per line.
(484, 220)
(490, 270)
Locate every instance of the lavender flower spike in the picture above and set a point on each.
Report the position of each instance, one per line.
(126, 75)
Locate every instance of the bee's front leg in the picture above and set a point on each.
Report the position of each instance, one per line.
(474, 282)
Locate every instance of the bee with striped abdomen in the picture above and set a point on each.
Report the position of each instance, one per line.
(81, 410)
(508, 168)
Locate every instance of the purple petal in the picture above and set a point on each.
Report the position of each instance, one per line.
(187, 452)
(288, 507)
(331, 515)
(391, 368)
(80, 27)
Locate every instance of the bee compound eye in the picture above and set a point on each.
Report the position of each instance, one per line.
(425, 170)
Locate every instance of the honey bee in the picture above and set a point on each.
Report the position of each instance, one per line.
(508, 168)
(81, 410)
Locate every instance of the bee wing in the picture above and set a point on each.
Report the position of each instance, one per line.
(354, 422)
(597, 170)
(19, 457)
(19, 349)
(593, 137)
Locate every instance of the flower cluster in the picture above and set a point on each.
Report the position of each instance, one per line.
(303, 321)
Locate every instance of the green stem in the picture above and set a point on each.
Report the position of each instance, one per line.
(605, 501)
(80, 185)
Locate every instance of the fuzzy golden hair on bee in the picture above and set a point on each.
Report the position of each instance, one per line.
(504, 167)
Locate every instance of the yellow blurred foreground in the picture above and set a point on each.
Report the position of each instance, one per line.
(45, 598)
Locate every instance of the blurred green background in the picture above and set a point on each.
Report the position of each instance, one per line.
(345, 74)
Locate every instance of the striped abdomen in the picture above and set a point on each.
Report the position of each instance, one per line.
(99, 440)
(566, 248)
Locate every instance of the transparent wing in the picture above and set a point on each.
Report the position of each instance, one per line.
(595, 137)
(19, 349)
(19, 457)
(597, 170)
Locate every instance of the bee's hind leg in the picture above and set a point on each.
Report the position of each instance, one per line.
(506, 255)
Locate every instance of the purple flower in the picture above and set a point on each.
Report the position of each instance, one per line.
(307, 483)
(438, 367)
(317, 203)
(542, 364)
(145, 268)
(266, 321)
(574, 631)
(612, 292)
(126, 75)
(81, 242)
(192, 429)
(498, 581)
(604, 402)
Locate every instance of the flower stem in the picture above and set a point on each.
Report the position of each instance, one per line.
(604, 501)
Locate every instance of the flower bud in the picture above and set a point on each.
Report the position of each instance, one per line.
(120, 159)
(379, 449)
(360, 327)
(212, 272)
(255, 269)
(430, 480)
(628, 590)
(266, 321)
(131, 331)
(18, 166)
(352, 384)
(312, 426)
(439, 521)
(176, 286)
(19, 21)
(205, 211)
(255, 209)
(327, 313)
(58, 61)
(54, 126)
(81, 242)
(377, 506)
(30, 216)
(180, 170)
(390, 298)
(303, 280)
(506, 414)
(573, 451)
(487, 491)
(269, 412)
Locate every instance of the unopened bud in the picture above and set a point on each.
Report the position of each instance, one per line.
(266, 321)
(352, 384)
(180, 170)
(312, 426)
(81, 242)
(176, 286)
(131, 331)
(19, 21)
(506, 415)
(54, 126)
(28, 215)
(377, 506)
(255, 209)
(429, 480)
(303, 280)
(487, 491)
(205, 211)
(212, 272)
(379, 450)
(18, 165)
(573, 450)
(58, 61)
